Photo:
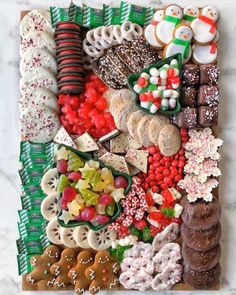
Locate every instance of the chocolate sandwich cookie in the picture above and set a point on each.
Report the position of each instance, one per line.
(68, 50)
(130, 57)
(201, 279)
(201, 240)
(73, 58)
(68, 25)
(70, 67)
(65, 34)
(199, 260)
(71, 88)
(147, 53)
(69, 42)
(200, 215)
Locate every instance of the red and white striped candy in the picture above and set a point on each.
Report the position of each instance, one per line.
(127, 221)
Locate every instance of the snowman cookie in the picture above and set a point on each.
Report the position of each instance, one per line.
(207, 54)
(150, 30)
(204, 26)
(172, 17)
(181, 43)
(191, 12)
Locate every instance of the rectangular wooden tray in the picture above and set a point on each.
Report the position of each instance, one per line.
(42, 287)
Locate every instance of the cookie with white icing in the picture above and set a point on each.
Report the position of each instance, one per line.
(204, 26)
(165, 29)
(181, 43)
(150, 30)
(191, 12)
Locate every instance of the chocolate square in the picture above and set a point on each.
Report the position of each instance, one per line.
(190, 74)
(207, 116)
(208, 95)
(188, 97)
(209, 74)
(187, 118)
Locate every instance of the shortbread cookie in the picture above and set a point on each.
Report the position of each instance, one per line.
(155, 126)
(132, 122)
(119, 99)
(169, 140)
(142, 127)
(121, 116)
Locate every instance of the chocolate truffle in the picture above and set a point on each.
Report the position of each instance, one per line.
(208, 95)
(187, 118)
(209, 74)
(207, 116)
(190, 74)
(188, 97)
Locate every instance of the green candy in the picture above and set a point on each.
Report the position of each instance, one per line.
(90, 197)
(152, 87)
(145, 234)
(135, 231)
(63, 182)
(110, 209)
(74, 162)
(168, 212)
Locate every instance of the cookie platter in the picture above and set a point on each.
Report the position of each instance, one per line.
(120, 150)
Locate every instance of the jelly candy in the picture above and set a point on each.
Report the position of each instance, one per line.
(74, 207)
(100, 186)
(105, 199)
(101, 219)
(110, 209)
(63, 182)
(146, 235)
(93, 164)
(62, 166)
(82, 184)
(121, 182)
(88, 213)
(168, 212)
(69, 193)
(107, 176)
(100, 209)
(135, 231)
(75, 175)
(74, 162)
(90, 197)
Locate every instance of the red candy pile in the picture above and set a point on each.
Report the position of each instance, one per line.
(164, 172)
(87, 112)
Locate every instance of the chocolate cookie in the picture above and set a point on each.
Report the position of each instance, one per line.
(200, 215)
(201, 261)
(201, 279)
(201, 240)
(68, 25)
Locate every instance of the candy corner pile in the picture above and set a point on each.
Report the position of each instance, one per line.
(119, 154)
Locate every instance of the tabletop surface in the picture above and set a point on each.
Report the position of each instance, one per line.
(10, 136)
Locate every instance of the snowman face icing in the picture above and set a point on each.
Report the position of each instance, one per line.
(191, 10)
(210, 12)
(184, 33)
(174, 10)
(158, 15)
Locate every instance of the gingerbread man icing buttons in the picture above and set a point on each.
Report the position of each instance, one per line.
(164, 30)
(103, 274)
(41, 266)
(181, 43)
(204, 27)
(191, 12)
(150, 30)
(85, 259)
(61, 268)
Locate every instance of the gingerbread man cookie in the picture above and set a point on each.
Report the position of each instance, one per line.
(103, 274)
(41, 266)
(61, 268)
(85, 259)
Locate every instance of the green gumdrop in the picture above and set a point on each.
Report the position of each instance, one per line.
(152, 87)
(120, 252)
(90, 197)
(112, 251)
(110, 209)
(168, 212)
(63, 182)
(74, 162)
(135, 231)
(145, 235)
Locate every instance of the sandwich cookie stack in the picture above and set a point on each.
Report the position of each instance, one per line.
(69, 54)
